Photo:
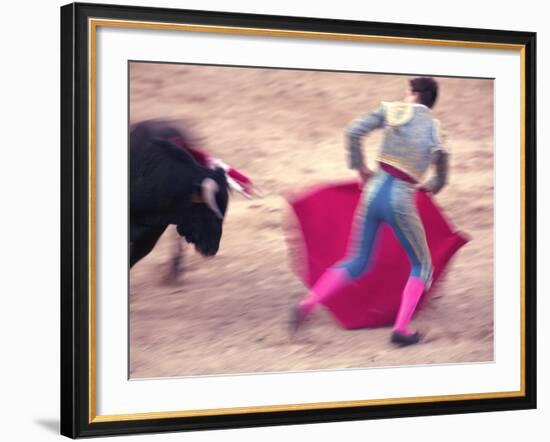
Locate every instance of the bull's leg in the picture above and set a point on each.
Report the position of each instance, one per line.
(174, 266)
(178, 257)
(142, 241)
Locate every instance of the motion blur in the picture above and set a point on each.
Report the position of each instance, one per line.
(285, 130)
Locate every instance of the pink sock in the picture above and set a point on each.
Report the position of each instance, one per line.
(329, 283)
(411, 295)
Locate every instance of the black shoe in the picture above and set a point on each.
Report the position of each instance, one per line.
(296, 319)
(403, 340)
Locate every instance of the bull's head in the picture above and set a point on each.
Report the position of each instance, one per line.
(204, 225)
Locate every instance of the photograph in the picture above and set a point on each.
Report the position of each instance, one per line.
(289, 220)
(272, 220)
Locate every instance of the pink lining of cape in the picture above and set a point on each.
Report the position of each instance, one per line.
(324, 217)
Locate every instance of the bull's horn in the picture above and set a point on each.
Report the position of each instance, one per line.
(209, 190)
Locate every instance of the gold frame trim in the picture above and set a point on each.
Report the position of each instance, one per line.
(93, 24)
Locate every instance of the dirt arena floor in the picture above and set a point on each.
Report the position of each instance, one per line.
(229, 314)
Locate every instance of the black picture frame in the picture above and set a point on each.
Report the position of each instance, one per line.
(76, 402)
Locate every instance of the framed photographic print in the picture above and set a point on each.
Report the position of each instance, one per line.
(273, 220)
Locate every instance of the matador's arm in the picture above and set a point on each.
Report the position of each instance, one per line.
(440, 179)
(440, 161)
(356, 130)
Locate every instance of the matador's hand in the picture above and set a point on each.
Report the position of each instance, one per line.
(365, 173)
(423, 187)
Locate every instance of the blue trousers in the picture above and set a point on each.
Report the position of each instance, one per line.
(389, 200)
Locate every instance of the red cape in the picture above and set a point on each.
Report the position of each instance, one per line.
(324, 217)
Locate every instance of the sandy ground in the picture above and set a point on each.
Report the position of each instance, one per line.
(229, 314)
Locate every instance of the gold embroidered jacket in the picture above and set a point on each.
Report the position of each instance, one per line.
(411, 137)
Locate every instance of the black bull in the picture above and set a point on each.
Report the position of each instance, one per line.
(167, 186)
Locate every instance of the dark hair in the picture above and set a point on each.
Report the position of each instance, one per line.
(426, 88)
